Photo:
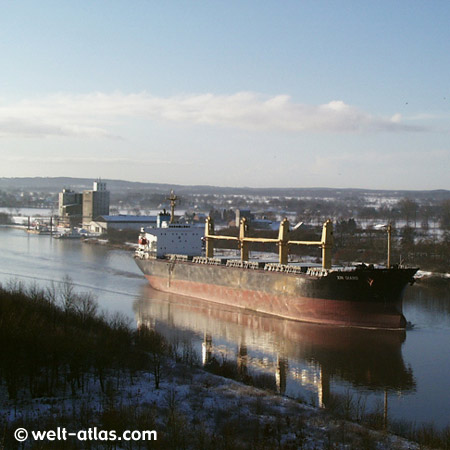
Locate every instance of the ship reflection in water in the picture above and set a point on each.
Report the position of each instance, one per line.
(296, 358)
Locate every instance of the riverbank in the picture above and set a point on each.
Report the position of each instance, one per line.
(437, 279)
(63, 364)
(194, 409)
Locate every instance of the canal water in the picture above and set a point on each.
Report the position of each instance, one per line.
(312, 362)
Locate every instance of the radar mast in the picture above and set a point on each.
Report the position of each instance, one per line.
(173, 201)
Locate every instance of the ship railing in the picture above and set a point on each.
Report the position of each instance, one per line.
(295, 269)
(177, 257)
(144, 254)
(139, 253)
(274, 267)
(245, 264)
(317, 272)
(206, 260)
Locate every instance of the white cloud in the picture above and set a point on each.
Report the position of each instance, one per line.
(29, 127)
(92, 161)
(99, 114)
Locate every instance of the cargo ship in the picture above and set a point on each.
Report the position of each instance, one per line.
(173, 259)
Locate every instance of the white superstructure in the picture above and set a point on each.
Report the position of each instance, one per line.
(171, 238)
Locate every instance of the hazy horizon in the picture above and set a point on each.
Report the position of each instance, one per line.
(89, 180)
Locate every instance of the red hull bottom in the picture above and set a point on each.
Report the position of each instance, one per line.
(314, 310)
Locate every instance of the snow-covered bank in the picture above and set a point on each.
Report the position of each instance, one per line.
(198, 410)
(425, 275)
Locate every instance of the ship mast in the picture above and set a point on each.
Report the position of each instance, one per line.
(389, 231)
(173, 201)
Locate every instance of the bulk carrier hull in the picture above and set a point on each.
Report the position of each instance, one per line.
(362, 297)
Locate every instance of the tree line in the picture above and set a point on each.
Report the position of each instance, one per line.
(55, 341)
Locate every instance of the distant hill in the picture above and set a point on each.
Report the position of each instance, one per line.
(56, 184)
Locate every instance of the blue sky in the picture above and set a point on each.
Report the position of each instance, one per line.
(235, 93)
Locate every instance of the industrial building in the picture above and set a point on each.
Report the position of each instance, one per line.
(70, 207)
(121, 222)
(95, 202)
(82, 208)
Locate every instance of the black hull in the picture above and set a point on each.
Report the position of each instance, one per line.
(363, 297)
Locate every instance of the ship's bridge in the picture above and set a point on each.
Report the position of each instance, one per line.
(174, 238)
